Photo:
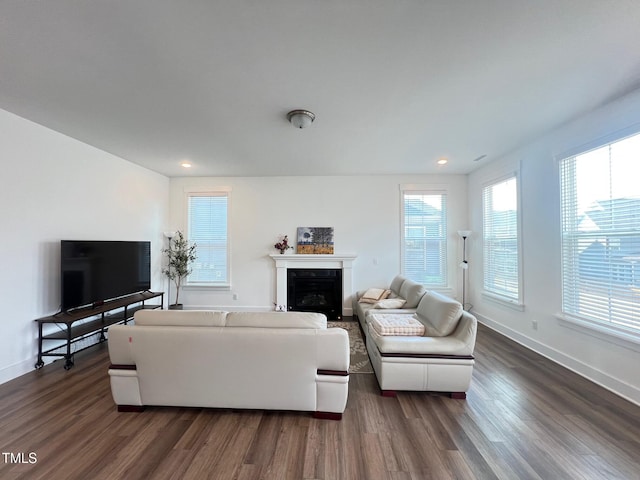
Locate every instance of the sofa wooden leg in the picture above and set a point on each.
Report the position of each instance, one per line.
(130, 408)
(459, 395)
(327, 415)
(389, 393)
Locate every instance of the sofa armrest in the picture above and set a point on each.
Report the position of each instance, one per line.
(125, 387)
(333, 350)
(358, 295)
(332, 392)
(332, 378)
(466, 331)
(120, 352)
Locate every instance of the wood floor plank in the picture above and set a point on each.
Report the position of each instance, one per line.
(524, 418)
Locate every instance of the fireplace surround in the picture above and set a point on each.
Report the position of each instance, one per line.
(343, 262)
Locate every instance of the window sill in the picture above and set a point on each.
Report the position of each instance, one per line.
(619, 336)
(515, 305)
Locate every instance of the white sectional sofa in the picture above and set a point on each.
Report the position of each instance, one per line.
(238, 360)
(402, 296)
(430, 349)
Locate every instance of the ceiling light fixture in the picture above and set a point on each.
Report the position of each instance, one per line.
(443, 161)
(301, 118)
(185, 165)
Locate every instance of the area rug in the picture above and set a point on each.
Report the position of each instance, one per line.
(359, 357)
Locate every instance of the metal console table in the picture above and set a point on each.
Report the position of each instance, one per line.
(71, 334)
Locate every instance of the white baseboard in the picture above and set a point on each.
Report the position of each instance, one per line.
(614, 385)
(18, 369)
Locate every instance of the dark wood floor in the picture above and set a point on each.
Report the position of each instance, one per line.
(524, 418)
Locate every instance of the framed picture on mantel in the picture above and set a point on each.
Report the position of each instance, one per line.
(315, 240)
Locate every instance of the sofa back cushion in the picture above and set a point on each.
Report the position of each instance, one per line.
(412, 292)
(276, 319)
(181, 318)
(396, 283)
(439, 314)
(213, 318)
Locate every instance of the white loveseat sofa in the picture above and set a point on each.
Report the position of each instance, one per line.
(238, 360)
(431, 350)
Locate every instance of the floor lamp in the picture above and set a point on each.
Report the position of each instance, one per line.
(464, 265)
(170, 236)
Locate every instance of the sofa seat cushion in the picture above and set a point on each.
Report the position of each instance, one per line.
(439, 314)
(277, 320)
(413, 345)
(396, 324)
(180, 318)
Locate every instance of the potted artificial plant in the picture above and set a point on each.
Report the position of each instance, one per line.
(180, 255)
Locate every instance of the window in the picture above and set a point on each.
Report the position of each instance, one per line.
(600, 204)
(424, 239)
(501, 249)
(207, 228)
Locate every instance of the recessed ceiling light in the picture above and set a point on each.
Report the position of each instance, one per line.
(442, 161)
(185, 165)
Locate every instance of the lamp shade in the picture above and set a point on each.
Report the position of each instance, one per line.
(301, 118)
(464, 233)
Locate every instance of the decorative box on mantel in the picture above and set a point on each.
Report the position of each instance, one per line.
(343, 262)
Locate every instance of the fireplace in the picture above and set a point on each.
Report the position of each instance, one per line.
(339, 261)
(315, 290)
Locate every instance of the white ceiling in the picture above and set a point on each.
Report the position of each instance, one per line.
(394, 84)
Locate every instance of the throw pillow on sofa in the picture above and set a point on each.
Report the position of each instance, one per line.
(390, 303)
(374, 295)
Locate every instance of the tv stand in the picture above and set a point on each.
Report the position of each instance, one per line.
(72, 334)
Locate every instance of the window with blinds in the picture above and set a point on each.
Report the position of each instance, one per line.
(501, 250)
(207, 228)
(424, 242)
(600, 201)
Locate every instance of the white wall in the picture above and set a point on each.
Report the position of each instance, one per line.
(608, 361)
(364, 211)
(53, 187)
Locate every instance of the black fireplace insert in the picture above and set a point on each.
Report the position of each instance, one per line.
(315, 290)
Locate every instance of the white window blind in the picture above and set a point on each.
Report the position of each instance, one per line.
(424, 242)
(601, 235)
(500, 239)
(207, 217)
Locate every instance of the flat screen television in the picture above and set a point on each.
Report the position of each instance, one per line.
(93, 271)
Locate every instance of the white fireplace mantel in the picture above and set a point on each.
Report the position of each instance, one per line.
(337, 261)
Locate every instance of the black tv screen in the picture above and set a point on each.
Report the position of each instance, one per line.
(95, 271)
